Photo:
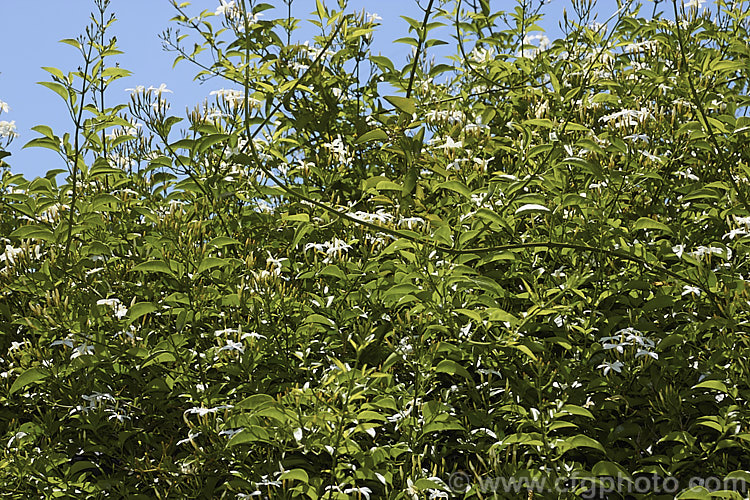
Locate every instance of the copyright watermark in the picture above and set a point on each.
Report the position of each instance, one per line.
(591, 486)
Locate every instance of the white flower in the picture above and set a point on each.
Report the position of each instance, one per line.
(373, 17)
(694, 3)
(190, 437)
(363, 491)
(17, 436)
(544, 44)
(618, 347)
(82, 350)
(337, 246)
(276, 263)
(10, 254)
(616, 366)
(690, 289)
(119, 310)
(66, 342)
(14, 346)
(703, 250)
(225, 8)
(320, 247)
(410, 222)
(4, 108)
(233, 96)
(97, 398)
(638, 137)
(229, 432)
(380, 215)
(481, 55)
(161, 88)
(233, 346)
(735, 232)
(226, 331)
(643, 352)
(339, 150)
(205, 411)
(8, 129)
(451, 144)
(137, 89)
(252, 335)
(627, 117)
(646, 46)
(558, 273)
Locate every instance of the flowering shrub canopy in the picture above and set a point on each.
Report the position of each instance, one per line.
(339, 278)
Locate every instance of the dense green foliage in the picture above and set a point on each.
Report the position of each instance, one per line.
(345, 279)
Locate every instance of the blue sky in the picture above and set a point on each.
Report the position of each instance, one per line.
(137, 30)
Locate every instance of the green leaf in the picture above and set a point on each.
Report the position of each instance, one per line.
(401, 290)
(255, 402)
(153, 266)
(383, 62)
(576, 127)
(44, 130)
(296, 217)
(43, 142)
(221, 241)
(32, 231)
(581, 441)
(57, 88)
(540, 122)
(410, 181)
(610, 469)
(441, 427)
(319, 319)
(211, 262)
(388, 186)
(739, 476)
(333, 270)
(575, 410)
(530, 208)
(183, 144)
(72, 42)
(471, 314)
(647, 223)
(250, 434)
(523, 348)
(30, 376)
(695, 493)
(669, 341)
(372, 135)
(443, 234)
(140, 309)
(53, 71)
(496, 315)
(452, 368)
(404, 104)
(294, 475)
(490, 216)
(712, 384)
(206, 142)
(158, 356)
(456, 186)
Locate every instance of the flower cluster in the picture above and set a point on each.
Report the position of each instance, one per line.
(7, 128)
(118, 309)
(627, 117)
(339, 150)
(622, 339)
(333, 249)
(233, 97)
